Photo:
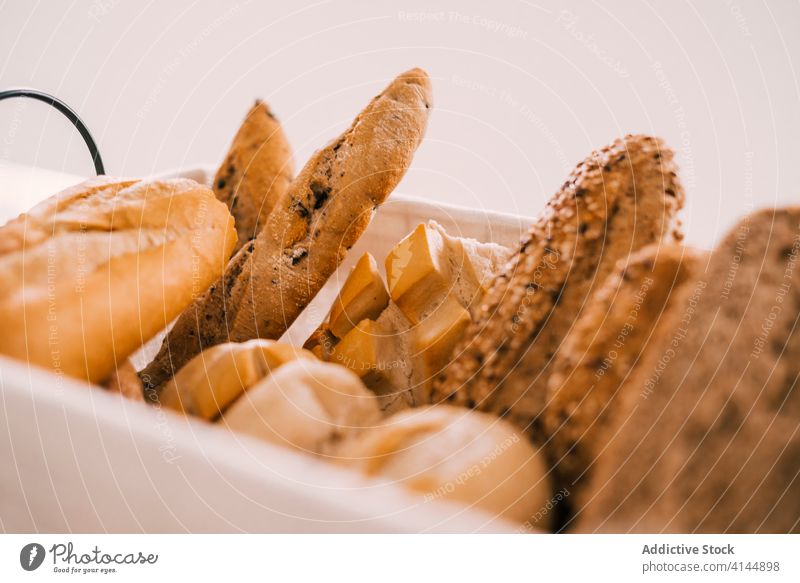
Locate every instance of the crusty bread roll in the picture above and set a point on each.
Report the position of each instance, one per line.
(327, 208)
(216, 377)
(599, 353)
(453, 453)
(256, 172)
(707, 438)
(91, 273)
(618, 200)
(305, 404)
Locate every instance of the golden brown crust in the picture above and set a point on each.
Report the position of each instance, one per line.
(256, 172)
(327, 208)
(615, 202)
(599, 353)
(706, 438)
(89, 275)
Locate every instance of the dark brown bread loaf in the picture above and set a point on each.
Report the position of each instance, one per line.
(600, 352)
(615, 202)
(325, 211)
(256, 172)
(707, 439)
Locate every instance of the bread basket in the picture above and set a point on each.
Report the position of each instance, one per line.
(83, 460)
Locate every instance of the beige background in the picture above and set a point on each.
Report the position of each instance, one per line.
(523, 89)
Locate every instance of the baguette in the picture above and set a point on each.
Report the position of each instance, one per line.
(615, 202)
(90, 274)
(326, 209)
(256, 172)
(707, 437)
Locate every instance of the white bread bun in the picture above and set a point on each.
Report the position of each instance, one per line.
(455, 453)
(305, 404)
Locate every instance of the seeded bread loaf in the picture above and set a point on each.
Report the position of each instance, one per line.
(93, 272)
(256, 172)
(326, 209)
(618, 200)
(707, 438)
(600, 352)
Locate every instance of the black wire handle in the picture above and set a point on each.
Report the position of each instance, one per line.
(69, 113)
